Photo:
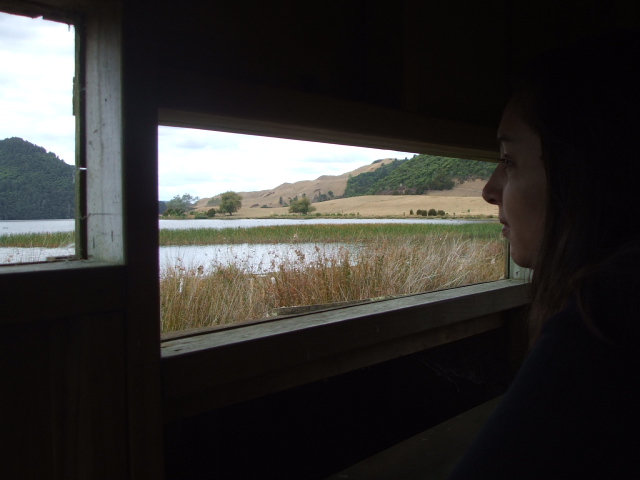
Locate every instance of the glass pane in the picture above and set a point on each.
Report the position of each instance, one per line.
(37, 140)
(310, 225)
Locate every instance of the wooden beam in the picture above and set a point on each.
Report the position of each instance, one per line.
(198, 101)
(216, 369)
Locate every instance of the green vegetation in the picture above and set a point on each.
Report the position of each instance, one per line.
(373, 261)
(179, 205)
(34, 184)
(302, 205)
(39, 240)
(417, 176)
(230, 202)
(349, 233)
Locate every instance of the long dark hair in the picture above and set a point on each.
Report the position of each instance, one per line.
(584, 101)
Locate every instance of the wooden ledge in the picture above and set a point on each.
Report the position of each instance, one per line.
(209, 371)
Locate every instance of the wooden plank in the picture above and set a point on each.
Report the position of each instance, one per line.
(103, 135)
(228, 366)
(121, 152)
(243, 389)
(59, 290)
(139, 129)
(200, 101)
(62, 407)
(88, 399)
(27, 439)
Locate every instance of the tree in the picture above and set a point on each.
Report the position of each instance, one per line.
(211, 212)
(182, 203)
(230, 202)
(302, 206)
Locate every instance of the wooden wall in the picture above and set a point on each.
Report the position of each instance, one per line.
(79, 342)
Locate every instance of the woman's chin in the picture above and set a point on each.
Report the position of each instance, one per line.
(521, 258)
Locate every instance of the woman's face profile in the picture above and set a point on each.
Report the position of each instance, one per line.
(518, 187)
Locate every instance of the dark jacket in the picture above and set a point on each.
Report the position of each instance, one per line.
(573, 410)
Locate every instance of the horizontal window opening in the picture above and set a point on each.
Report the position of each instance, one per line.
(37, 141)
(255, 227)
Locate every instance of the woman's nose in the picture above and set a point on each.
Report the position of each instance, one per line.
(492, 191)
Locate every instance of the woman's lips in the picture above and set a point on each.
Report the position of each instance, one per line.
(505, 227)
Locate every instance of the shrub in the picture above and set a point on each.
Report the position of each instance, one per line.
(170, 212)
(211, 212)
(302, 206)
(432, 212)
(441, 213)
(411, 212)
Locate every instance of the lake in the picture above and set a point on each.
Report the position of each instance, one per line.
(251, 257)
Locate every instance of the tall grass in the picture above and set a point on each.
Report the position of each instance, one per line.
(389, 260)
(37, 240)
(381, 267)
(322, 233)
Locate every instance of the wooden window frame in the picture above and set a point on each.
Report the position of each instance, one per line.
(201, 372)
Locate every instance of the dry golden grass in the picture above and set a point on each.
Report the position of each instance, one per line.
(192, 298)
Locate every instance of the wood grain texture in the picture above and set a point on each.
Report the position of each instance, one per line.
(63, 406)
(201, 101)
(209, 370)
(103, 122)
(60, 290)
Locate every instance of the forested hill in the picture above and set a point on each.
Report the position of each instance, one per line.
(34, 184)
(417, 175)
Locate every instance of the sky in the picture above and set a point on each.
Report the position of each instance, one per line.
(36, 80)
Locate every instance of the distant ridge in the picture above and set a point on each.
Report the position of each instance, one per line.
(34, 184)
(311, 188)
(420, 175)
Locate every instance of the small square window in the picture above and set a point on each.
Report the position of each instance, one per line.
(37, 140)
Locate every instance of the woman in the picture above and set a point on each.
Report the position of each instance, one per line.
(566, 187)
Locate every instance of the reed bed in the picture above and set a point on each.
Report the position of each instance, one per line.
(323, 233)
(37, 240)
(375, 261)
(383, 266)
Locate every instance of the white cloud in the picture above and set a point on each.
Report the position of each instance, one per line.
(224, 161)
(36, 80)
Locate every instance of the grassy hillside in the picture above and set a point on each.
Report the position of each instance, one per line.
(34, 184)
(417, 176)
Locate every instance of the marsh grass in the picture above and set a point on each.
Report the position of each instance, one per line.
(381, 266)
(323, 233)
(369, 261)
(37, 240)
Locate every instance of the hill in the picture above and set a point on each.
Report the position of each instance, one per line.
(325, 184)
(422, 173)
(464, 199)
(34, 184)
